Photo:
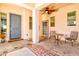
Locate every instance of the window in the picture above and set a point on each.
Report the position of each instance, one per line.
(30, 22)
(52, 21)
(71, 18)
(3, 23)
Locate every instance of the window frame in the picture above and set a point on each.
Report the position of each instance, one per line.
(52, 21)
(71, 18)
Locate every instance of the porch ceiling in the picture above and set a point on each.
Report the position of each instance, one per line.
(41, 6)
(54, 7)
(32, 6)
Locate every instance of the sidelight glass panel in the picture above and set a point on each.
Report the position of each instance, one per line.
(30, 22)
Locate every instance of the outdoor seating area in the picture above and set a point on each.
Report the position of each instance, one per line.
(63, 49)
(57, 37)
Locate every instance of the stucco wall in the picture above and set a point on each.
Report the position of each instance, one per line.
(61, 19)
(25, 13)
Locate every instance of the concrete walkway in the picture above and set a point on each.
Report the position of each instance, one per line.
(21, 52)
(17, 48)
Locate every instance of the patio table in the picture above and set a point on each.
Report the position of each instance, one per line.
(58, 39)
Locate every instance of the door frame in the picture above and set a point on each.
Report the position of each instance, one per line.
(47, 27)
(10, 25)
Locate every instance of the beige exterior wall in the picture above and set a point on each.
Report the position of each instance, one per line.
(25, 13)
(61, 19)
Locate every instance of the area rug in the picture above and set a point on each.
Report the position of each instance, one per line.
(41, 51)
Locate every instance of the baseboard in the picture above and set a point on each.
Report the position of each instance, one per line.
(12, 40)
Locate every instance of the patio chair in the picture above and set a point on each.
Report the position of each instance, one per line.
(53, 35)
(73, 37)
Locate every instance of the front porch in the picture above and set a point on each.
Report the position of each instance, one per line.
(21, 48)
(62, 18)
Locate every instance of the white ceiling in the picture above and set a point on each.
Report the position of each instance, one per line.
(40, 6)
(32, 6)
(36, 5)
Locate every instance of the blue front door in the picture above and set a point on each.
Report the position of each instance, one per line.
(15, 26)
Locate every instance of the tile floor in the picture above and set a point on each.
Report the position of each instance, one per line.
(64, 49)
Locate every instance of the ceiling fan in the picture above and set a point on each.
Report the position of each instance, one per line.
(49, 10)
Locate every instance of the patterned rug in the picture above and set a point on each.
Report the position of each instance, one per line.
(41, 51)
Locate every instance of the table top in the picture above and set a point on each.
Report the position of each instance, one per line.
(59, 34)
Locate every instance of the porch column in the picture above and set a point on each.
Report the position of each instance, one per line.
(35, 26)
(8, 28)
